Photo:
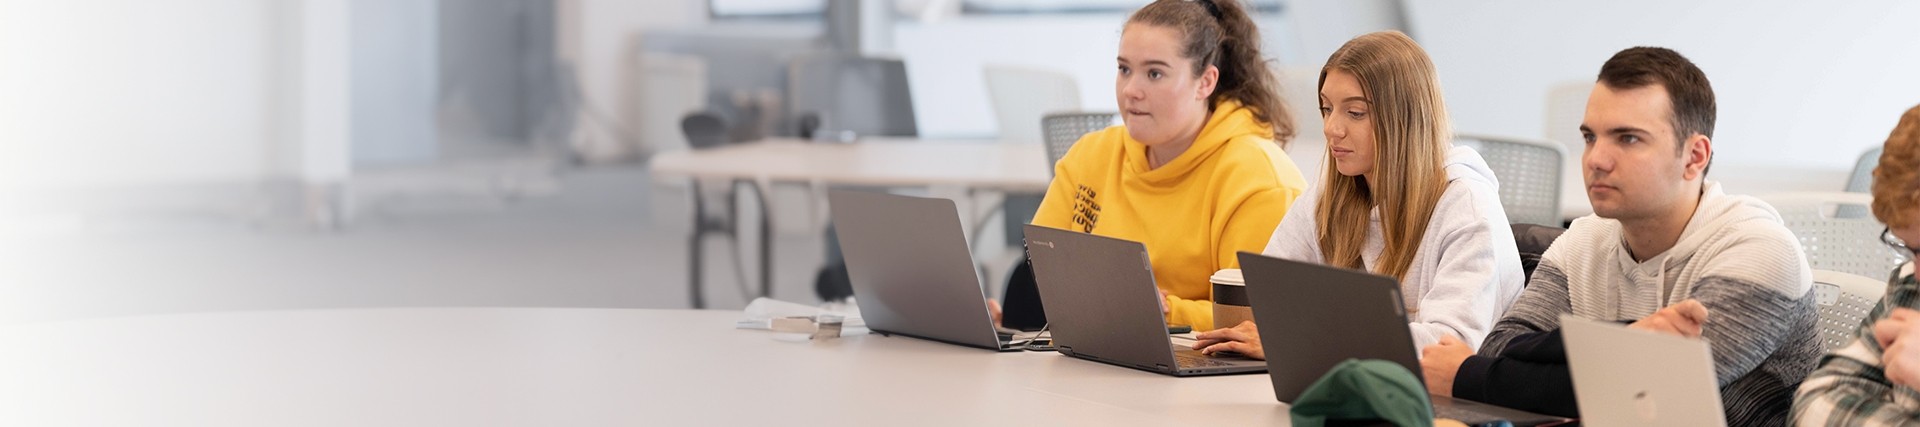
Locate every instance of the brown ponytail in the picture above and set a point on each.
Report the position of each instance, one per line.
(1221, 34)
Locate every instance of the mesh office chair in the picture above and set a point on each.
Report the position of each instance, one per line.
(1862, 179)
(1529, 174)
(1063, 129)
(1022, 306)
(704, 130)
(1844, 300)
(1060, 131)
(1019, 95)
(1833, 236)
(1861, 182)
(1566, 108)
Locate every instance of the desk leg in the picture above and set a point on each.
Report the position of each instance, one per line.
(701, 226)
(694, 254)
(766, 242)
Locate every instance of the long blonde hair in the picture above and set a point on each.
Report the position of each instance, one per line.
(1411, 136)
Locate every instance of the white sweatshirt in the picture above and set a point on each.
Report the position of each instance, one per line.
(1467, 270)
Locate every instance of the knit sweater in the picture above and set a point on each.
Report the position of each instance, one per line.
(1734, 256)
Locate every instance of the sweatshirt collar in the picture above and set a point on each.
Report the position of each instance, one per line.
(1229, 120)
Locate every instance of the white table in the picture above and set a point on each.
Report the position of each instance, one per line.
(551, 366)
(879, 162)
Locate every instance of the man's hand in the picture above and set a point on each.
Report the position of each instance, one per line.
(1684, 319)
(1899, 337)
(1441, 362)
(1243, 338)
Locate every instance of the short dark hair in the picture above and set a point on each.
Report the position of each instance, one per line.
(1687, 87)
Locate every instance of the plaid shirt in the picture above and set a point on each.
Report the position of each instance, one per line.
(1849, 388)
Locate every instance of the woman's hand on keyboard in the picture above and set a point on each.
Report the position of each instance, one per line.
(1243, 338)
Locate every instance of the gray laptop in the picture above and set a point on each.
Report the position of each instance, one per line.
(1626, 377)
(912, 271)
(1312, 317)
(1101, 305)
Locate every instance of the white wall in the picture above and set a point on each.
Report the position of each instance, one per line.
(945, 63)
(395, 57)
(945, 57)
(127, 94)
(1801, 85)
(1320, 27)
(100, 93)
(945, 60)
(318, 89)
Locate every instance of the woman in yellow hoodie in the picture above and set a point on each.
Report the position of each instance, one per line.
(1198, 172)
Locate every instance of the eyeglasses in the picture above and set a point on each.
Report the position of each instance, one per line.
(1893, 241)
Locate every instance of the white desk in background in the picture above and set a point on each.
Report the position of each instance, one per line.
(877, 162)
(564, 366)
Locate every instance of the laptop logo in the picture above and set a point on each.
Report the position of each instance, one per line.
(1049, 245)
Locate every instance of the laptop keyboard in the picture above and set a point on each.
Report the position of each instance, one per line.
(1198, 361)
(1464, 415)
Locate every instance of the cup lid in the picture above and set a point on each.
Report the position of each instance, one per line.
(1230, 276)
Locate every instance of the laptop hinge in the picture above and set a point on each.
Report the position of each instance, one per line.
(1064, 350)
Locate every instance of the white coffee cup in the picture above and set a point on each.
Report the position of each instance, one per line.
(1230, 305)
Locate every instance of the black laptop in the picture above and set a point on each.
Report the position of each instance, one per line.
(912, 271)
(1101, 305)
(1312, 317)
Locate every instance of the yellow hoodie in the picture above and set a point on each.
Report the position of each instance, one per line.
(1225, 194)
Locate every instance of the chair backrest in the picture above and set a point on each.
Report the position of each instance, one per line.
(1862, 179)
(1021, 96)
(1845, 300)
(1063, 129)
(841, 93)
(704, 130)
(1566, 108)
(1529, 174)
(1533, 240)
(1834, 233)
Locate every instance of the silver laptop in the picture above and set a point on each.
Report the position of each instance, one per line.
(1101, 305)
(1312, 317)
(1626, 377)
(912, 271)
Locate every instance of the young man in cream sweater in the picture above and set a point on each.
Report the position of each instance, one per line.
(1666, 250)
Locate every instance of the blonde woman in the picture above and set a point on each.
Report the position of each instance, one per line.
(1399, 200)
(1197, 173)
